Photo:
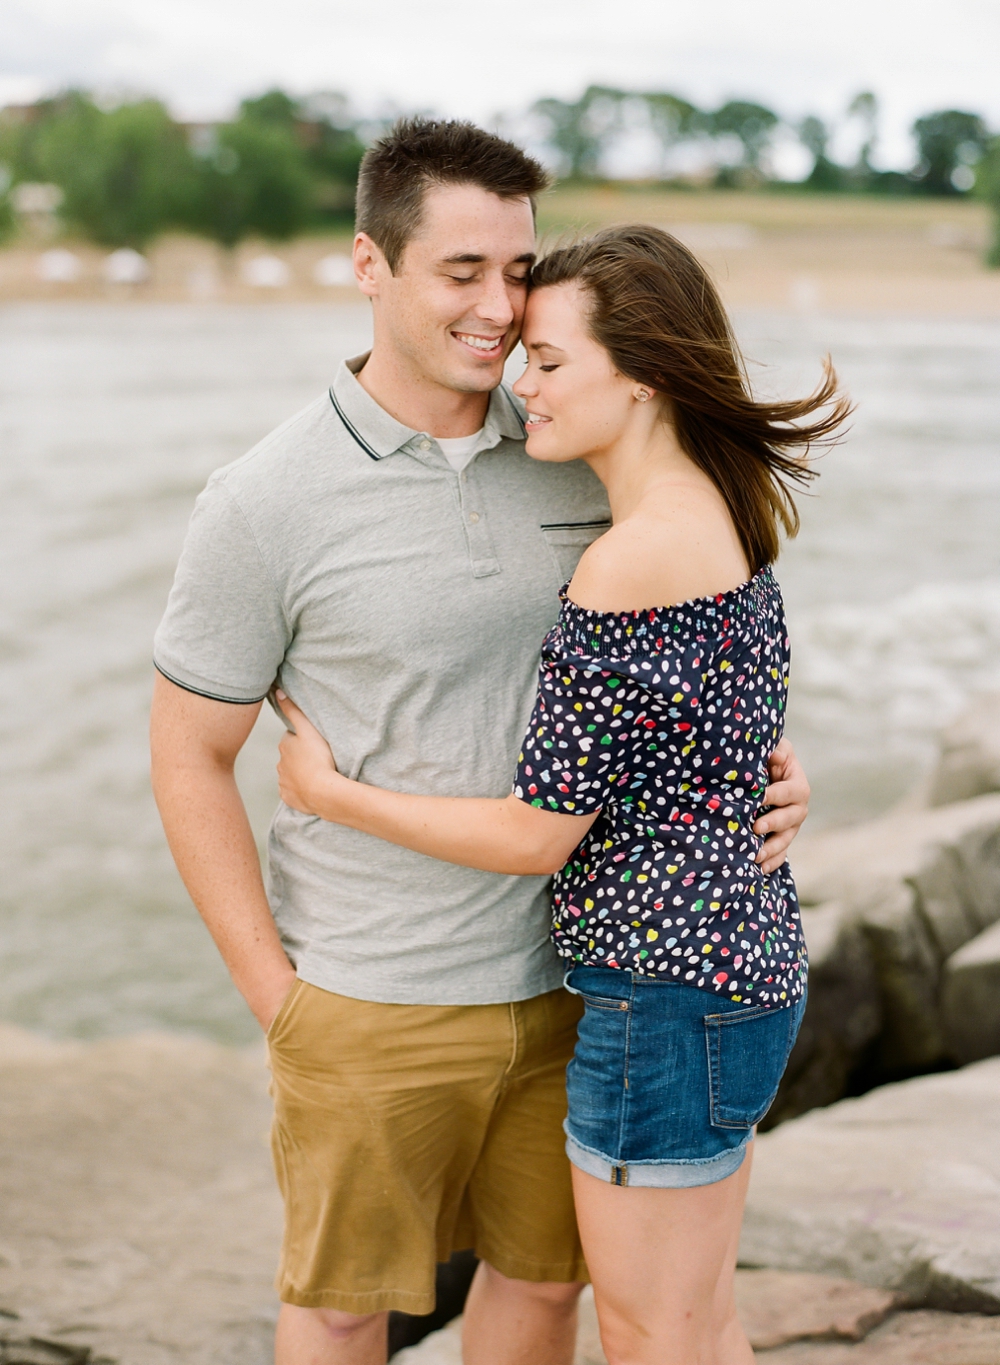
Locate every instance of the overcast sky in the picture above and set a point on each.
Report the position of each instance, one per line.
(798, 56)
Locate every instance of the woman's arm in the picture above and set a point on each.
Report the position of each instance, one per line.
(495, 835)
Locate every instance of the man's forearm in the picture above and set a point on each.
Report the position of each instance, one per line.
(213, 846)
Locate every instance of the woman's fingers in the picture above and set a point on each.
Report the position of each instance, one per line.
(288, 707)
(789, 802)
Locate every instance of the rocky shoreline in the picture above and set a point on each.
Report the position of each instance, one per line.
(901, 918)
(139, 1222)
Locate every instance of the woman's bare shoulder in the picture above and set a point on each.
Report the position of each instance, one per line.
(668, 552)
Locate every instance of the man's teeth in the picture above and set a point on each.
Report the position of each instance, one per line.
(480, 343)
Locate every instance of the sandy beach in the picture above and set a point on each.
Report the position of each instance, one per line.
(846, 253)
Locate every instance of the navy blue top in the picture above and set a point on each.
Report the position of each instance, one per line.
(664, 720)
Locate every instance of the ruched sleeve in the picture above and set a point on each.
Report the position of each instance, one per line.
(574, 746)
(594, 721)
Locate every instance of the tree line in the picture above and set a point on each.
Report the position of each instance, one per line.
(128, 173)
(950, 142)
(283, 166)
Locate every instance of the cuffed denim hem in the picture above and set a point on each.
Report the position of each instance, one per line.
(657, 1175)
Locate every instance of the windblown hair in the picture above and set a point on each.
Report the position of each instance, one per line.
(417, 153)
(657, 314)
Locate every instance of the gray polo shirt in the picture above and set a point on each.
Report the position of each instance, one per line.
(402, 606)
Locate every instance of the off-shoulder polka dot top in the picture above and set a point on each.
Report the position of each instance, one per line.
(664, 720)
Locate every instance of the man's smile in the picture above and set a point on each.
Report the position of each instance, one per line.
(489, 348)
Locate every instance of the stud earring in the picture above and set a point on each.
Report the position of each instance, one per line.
(642, 396)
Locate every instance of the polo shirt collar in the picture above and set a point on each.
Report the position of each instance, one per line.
(378, 434)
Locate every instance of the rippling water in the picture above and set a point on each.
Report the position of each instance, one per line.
(111, 418)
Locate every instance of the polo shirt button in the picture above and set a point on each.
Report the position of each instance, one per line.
(425, 445)
(473, 517)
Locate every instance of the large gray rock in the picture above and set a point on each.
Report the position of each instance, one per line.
(969, 763)
(970, 998)
(899, 1189)
(923, 1337)
(843, 1013)
(921, 884)
(138, 1211)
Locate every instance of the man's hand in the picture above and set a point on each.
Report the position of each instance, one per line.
(788, 794)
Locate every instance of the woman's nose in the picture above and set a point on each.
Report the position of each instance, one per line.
(525, 386)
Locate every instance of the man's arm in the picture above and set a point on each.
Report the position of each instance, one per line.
(788, 795)
(194, 742)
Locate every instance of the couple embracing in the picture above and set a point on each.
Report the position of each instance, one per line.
(530, 963)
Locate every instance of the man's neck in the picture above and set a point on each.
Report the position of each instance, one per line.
(418, 402)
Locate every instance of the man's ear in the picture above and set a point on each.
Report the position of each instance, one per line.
(370, 265)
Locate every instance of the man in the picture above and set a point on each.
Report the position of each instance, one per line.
(393, 556)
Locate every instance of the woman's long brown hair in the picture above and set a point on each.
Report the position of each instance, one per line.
(657, 314)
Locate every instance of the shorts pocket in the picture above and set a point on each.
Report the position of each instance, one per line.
(599, 1002)
(747, 1054)
(286, 1004)
(591, 997)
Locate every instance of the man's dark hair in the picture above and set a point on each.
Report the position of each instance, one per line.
(417, 153)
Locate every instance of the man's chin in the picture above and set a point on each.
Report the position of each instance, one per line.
(476, 378)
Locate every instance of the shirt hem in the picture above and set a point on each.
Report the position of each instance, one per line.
(385, 993)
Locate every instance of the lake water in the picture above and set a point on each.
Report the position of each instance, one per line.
(111, 419)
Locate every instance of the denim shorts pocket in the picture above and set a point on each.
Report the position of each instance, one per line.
(591, 997)
(602, 1002)
(747, 1053)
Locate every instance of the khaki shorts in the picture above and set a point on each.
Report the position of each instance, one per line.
(403, 1133)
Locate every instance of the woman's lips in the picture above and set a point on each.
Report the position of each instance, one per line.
(535, 420)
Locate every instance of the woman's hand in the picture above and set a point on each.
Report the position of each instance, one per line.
(307, 770)
(788, 796)
(495, 834)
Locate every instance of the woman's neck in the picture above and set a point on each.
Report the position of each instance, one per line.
(639, 463)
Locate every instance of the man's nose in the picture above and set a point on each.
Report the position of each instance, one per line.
(495, 304)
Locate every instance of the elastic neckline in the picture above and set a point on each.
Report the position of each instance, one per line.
(762, 578)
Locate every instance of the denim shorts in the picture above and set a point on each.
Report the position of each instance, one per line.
(668, 1081)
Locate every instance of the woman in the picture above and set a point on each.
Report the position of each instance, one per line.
(661, 697)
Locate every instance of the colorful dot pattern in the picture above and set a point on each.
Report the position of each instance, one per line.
(664, 720)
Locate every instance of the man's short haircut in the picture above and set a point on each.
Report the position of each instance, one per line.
(418, 153)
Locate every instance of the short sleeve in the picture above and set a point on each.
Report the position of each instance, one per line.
(224, 633)
(575, 746)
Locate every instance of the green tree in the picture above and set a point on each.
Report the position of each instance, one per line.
(125, 173)
(672, 120)
(950, 142)
(864, 108)
(333, 150)
(751, 123)
(6, 208)
(815, 137)
(274, 107)
(988, 188)
(579, 132)
(251, 178)
(324, 131)
(21, 130)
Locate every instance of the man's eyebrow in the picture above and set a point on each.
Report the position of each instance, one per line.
(473, 258)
